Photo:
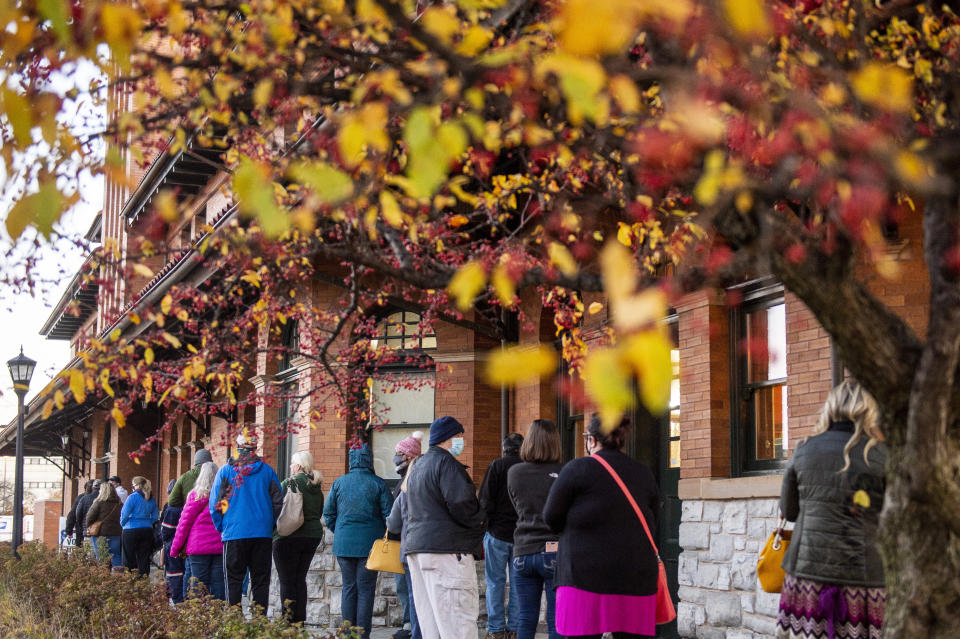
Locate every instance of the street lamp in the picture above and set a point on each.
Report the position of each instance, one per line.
(21, 370)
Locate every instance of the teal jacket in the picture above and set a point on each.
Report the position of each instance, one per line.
(357, 507)
(312, 506)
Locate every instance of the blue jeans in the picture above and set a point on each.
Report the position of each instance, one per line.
(497, 554)
(531, 575)
(187, 573)
(113, 546)
(359, 589)
(403, 596)
(208, 570)
(414, 623)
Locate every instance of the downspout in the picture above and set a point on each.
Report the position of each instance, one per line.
(504, 398)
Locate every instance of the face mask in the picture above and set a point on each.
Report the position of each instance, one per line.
(457, 446)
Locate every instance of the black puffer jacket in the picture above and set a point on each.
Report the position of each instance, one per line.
(834, 539)
(443, 513)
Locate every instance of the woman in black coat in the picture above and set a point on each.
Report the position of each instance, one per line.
(606, 573)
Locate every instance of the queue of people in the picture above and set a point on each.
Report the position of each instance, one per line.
(571, 534)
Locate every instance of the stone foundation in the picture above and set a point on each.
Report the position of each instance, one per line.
(720, 597)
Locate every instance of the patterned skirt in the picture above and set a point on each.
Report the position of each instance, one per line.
(816, 610)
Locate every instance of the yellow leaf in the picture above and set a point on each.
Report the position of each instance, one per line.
(165, 304)
(136, 460)
(590, 28)
(19, 114)
(648, 353)
(607, 383)
(148, 387)
(135, 319)
(619, 271)
(466, 283)
(165, 204)
(861, 498)
(148, 356)
(329, 184)
(747, 17)
(913, 169)
(118, 416)
(78, 386)
(173, 341)
(105, 382)
(625, 234)
(58, 399)
(625, 94)
(581, 81)
(503, 286)
(142, 270)
(262, 93)
(638, 311)
(562, 259)
(518, 364)
(884, 86)
(121, 28)
(474, 40)
(182, 315)
(594, 308)
(47, 409)
(257, 196)
(390, 209)
(440, 22)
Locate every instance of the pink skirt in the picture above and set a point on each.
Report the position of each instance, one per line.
(580, 612)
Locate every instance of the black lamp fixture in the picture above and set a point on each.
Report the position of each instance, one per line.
(21, 372)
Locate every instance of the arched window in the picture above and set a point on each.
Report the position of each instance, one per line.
(402, 331)
(401, 396)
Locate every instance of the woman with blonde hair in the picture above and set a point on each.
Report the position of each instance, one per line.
(103, 522)
(137, 517)
(833, 489)
(197, 537)
(292, 554)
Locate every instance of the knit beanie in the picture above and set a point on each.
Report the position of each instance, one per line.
(410, 446)
(443, 429)
(202, 456)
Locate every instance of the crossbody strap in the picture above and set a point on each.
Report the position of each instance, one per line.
(636, 508)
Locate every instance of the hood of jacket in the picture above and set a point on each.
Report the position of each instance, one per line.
(361, 458)
(305, 483)
(247, 465)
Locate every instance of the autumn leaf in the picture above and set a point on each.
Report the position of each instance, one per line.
(172, 340)
(607, 382)
(466, 283)
(142, 270)
(884, 86)
(594, 308)
(390, 209)
(748, 18)
(590, 28)
(648, 353)
(121, 26)
(257, 198)
(262, 93)
(148, 356)
(329, 184)
(517, 364)
(631, 312)
(56, 12)
(861, 498)
(47, 409)
(618, 270)
(118, 416)
(105, 382)
(18, 112)
(503, 285)
(561, 258)
(58, 399)
(166, 304)
(78, 386)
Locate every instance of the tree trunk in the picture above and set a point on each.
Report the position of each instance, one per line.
(921, 554)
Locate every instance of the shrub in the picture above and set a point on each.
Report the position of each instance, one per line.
(71, 596)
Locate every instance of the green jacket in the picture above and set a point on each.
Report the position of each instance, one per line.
(312, 506)
(186, 482)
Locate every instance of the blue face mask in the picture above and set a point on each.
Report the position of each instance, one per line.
(456, 447)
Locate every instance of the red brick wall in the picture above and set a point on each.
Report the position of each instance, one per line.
(809, 373)
(46, 522)
(704, 387)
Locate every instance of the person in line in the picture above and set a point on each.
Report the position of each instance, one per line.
(606, 571)
(498, 541)
(407, 450)
(173, 563)
(356, 512)
(444, 529)
(833, 488)
(244, 504)
(137, 517)
(73, 524)
(292, 554)
(178, 497)
(118, 486)
(198, 539)
(534, 544)
(103, 522)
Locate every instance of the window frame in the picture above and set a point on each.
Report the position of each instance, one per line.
(758, 295)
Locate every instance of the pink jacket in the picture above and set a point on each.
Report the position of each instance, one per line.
(196, 530)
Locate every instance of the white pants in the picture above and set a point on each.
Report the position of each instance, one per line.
(445, 594)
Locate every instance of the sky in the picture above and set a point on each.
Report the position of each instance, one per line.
(23, 313)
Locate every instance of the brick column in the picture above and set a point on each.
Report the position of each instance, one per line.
(46, 522)
(704, 386)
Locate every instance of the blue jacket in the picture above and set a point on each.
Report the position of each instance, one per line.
(138, 512)
(357, 507)
(253, 499)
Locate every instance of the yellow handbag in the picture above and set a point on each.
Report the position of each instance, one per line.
(769, 564)
(385, 556)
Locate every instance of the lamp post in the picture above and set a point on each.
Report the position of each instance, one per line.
(21, 370)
